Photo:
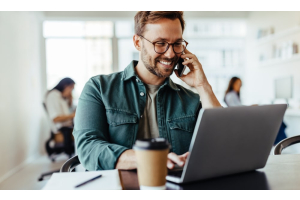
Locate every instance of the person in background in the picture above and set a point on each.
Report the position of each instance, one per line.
(58, 103)
(232, 94)
(232, 98)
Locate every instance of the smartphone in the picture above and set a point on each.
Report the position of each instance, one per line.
(180, 67)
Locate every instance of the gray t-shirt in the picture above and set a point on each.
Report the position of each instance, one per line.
(148, 126)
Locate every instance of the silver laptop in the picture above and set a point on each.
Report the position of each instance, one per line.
(230, 140)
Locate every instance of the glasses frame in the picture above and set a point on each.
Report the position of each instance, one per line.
(169, 44)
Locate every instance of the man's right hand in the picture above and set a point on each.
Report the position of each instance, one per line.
(127, 160)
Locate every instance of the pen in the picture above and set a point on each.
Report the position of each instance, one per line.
(88, 181)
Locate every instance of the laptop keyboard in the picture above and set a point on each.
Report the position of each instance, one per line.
(176, 173)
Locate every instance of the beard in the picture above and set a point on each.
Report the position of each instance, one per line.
(151, 64)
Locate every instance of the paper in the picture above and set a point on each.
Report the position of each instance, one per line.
(110, 180)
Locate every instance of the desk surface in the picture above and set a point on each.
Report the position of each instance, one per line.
(280, 172)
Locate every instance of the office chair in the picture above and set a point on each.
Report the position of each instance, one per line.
(58, 139)
(70, 164)
(286, 143)
(57, 149)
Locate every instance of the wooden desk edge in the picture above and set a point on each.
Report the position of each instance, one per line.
(121, 180)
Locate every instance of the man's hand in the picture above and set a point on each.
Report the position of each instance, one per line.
(175, 159)
(127, 160)
(196, 77)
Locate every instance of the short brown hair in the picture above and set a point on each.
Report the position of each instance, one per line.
(146, 17)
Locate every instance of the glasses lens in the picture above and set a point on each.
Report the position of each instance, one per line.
(160, 47)
(179, 47)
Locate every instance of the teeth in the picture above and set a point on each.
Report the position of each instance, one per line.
(165, 63)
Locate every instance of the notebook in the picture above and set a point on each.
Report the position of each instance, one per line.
(110, 180)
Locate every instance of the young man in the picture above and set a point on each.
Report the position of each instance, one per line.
(142, 101)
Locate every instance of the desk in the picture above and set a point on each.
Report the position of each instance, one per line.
(280, 172)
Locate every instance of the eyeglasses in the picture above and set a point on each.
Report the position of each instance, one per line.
(161, 47)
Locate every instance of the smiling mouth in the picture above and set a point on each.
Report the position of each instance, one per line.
(167, 64)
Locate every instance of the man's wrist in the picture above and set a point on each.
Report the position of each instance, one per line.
(206, 87)
(127, 160)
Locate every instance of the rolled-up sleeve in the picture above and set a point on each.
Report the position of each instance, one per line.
(91, 134)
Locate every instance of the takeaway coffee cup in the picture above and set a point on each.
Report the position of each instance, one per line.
(152, 156)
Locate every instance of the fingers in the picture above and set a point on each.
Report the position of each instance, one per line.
(170, 164)
(186, 51)
(190, 61)
(176, 159)
(188, 55)
(185, 155)
(182, 77)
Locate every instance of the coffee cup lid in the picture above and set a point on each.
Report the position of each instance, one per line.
(151, 144)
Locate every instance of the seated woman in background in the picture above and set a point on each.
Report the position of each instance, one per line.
(58, 103)
(232, 94)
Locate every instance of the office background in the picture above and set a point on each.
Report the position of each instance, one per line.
(37, 49)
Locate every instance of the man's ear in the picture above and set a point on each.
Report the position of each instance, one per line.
(137, 42)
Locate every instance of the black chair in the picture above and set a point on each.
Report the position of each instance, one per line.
(286, 143)
(57, 148)
(70, 164)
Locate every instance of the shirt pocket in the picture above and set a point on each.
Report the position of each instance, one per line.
(181, 132)
(122, 126)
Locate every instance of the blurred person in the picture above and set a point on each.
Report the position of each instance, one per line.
(142, 101)
(58, 103)
(232, 94)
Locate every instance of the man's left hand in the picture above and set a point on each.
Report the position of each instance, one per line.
(196, 77)
(175, 159)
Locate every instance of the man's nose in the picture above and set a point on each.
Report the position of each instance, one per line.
(170, 52)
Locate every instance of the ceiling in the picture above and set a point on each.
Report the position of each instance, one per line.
(130, 14)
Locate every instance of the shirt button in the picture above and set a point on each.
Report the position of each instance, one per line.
(137, 80)
(142, 94)
(141, 116)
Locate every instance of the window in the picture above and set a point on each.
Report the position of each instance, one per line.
(219, 45)
(82, 49)
(126, 50)
(78, 50)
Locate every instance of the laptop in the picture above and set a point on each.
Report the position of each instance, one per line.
(229, 141)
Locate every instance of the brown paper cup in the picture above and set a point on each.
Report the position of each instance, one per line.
(152, 167)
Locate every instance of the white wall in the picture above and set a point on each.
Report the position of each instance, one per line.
(259, 80)
(23, 127)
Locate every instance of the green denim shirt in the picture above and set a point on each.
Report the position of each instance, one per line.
(108, 113)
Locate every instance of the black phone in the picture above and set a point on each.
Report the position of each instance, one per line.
(180, 67)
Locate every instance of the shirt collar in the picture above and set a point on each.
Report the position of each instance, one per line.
(129, 72)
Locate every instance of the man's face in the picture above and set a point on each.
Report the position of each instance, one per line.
(161, 65)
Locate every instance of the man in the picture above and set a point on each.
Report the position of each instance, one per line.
(142, 101)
